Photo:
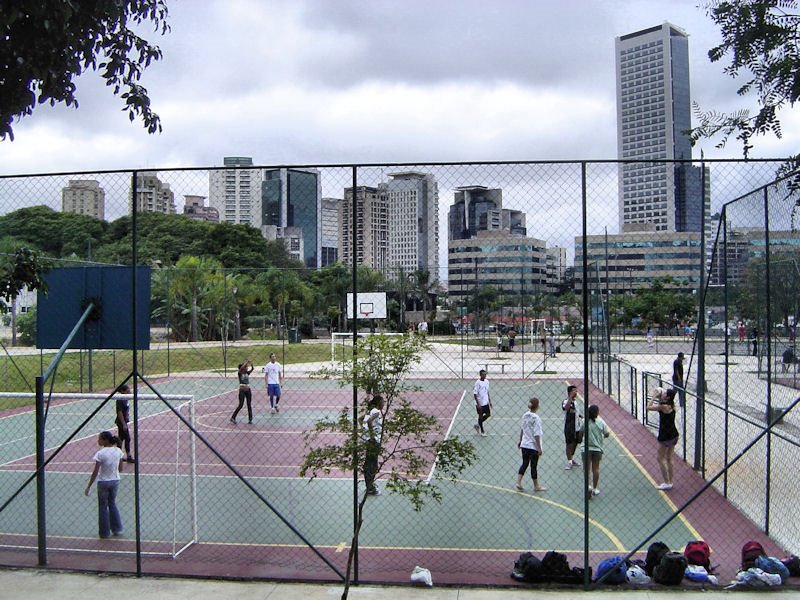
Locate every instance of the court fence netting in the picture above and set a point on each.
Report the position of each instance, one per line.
(594, 298)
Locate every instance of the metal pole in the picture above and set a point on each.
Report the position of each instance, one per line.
(699, 459)
(41, 522)
(586, 366)
(767, 287)
(134, 354)
(354, 255)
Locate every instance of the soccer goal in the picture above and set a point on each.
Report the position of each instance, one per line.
(167, 473)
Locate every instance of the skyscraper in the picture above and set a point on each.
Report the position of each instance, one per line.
(85, 197)
(372, 234)
(292, 198)
(653, 120)
(236, 192)
(153, 195)
(412, 199)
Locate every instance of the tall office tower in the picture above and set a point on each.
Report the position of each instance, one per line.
(412, 199)
(329, 227)
(475, 208)
(236, 192)
(153, 195)
(372, 237)
(653, 118)
(292, 198)
(85, 197)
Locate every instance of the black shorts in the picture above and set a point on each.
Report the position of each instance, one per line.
(484, 410)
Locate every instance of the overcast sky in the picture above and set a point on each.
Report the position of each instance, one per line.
(340, 81)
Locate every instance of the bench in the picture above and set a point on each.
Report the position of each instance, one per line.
(495, 364)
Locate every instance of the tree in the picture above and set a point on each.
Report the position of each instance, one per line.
(47, 44)
(411, 440)
(23, 269)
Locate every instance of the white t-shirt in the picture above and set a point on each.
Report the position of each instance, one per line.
(273, 371)
(109, 458)
(377, 425)
(531, 427)
(481, 390)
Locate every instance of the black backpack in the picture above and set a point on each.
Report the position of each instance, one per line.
(527, 568)
(671, 569)
(655, 552)
(555, 566)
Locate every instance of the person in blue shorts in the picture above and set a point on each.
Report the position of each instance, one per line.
(274, 377)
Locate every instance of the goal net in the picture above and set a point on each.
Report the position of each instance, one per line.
(167, 492)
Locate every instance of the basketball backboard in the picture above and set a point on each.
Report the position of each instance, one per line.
(370, 305)
(110, 326)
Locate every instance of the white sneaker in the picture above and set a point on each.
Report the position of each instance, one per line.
(568, 466)
(484, 434)
(664, 486)
(272, 410)
(595, 492)
(575, 463)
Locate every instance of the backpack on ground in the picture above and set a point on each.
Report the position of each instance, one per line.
(654, 553)
(671, 569)
(793, 564)
(698, 553)
(616, 568)
(750, 551)
(770, 564)
(527, 568)
(555, 566)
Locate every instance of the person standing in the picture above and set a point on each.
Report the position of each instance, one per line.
(512, 334)
(274, 377)
(663, 401)
(373, 430)
(595, 432)
(741, 330)
(551, 344)
(755, 341)
(245, 393)
(483, 402)
(422, 328)
(677, 379)
(107, 465)
(649, 336)
(530, 443)
(121, 420)
(572, 426)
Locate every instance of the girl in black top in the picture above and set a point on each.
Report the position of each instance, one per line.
(663, 401)
(245, 393)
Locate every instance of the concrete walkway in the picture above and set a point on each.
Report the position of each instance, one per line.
(48, 585)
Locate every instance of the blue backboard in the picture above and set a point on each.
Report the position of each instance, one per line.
(110, 326)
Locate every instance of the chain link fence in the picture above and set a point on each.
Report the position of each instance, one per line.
(542, 274)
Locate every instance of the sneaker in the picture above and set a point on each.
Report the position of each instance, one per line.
(484, 434)
(117, 534)
(541, 488)
(250, 422)
(575, 463)
(272, 410)
(477, 428)
(568, 466)
(664, 486)
(595, 492)
(277, 409)
(130, 459)
(232, 420)
(374, 492)
(519, 488)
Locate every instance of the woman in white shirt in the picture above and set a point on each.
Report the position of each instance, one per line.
(530, 443)
(107, 465)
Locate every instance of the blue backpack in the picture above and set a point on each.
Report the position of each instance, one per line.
(616, 569)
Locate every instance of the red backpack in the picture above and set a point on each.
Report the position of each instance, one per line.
(750, 552)
(698, 553)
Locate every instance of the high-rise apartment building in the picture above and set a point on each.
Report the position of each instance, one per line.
(653, 120)
(372, 233)
(330, 232)
(85, 197)
(292, 198)
(412, 199)
(153, 195)
(236, 191)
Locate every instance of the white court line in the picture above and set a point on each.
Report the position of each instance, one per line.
(446, 435)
